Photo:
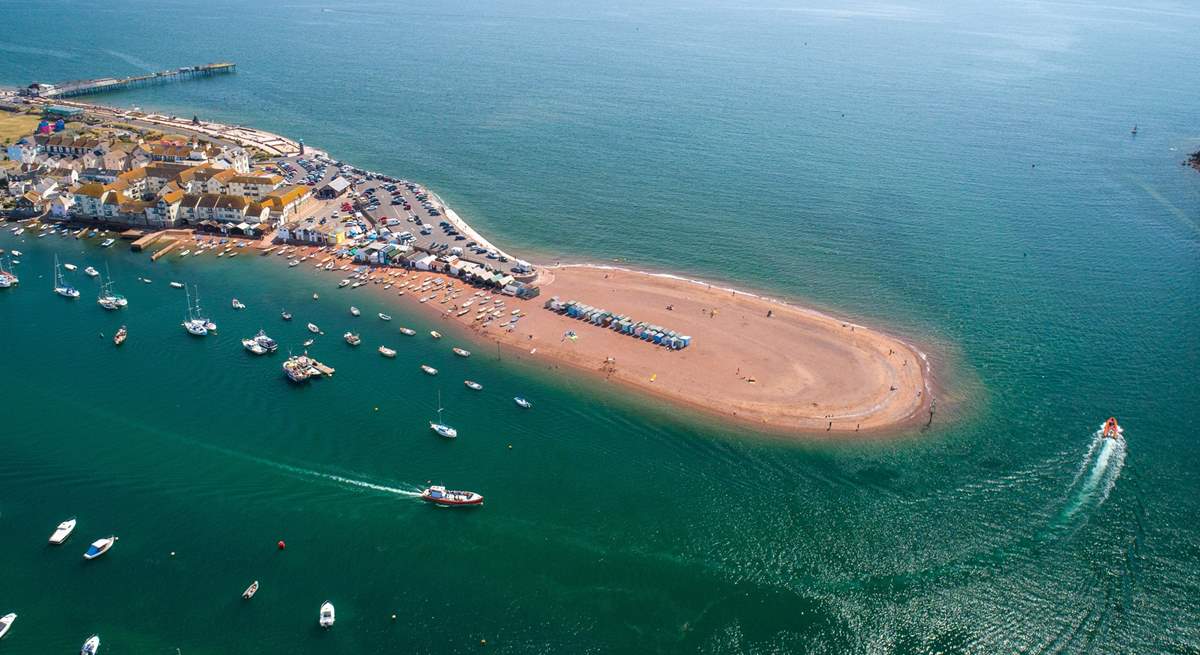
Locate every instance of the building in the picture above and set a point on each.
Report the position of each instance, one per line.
(335, 188)
(312, 232)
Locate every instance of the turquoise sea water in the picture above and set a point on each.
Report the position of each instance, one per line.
(964, 175)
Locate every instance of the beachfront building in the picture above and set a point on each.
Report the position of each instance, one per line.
(255, 186)
(69, 144)
(286, 202)
(334, 188)
(310, 231)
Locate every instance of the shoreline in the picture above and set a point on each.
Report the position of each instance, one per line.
(808, 371)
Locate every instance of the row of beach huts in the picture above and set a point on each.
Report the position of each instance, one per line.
(655, 334)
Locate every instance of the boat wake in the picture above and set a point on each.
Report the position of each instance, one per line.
(1097, 475)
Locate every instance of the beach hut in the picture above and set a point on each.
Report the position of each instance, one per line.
(686, 341)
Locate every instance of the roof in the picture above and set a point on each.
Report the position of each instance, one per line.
(92, 189)
(338, 184)
(282, 197)
(257, 179)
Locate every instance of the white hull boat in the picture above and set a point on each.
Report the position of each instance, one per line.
(99, 547)
(63, 531)
(326, 617)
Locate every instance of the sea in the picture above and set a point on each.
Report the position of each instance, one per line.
(962, 174)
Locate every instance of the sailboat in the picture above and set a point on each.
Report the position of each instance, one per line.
(60, 286)
(440, 428)
(106, 298)
(194, 323)
(7, 277)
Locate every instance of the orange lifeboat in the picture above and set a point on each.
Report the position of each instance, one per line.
(1111, 429)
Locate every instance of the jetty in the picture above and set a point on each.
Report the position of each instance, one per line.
(103, 84)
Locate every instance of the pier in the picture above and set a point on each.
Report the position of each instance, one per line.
(100, 85)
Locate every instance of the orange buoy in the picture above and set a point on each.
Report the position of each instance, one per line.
(281, 544)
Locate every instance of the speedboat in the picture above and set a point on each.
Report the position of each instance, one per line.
(387, 352)
(352, 339)
(91, 272)
(237, 304)
(99, 547)
(91, 646)
(428, 369)
(407, 331)
(1112, 430)
(314, 329)
(354, 311)
(285, 316)
(327, 616)
(63, 531)
(384, 317)
(6, 622)
(471, 384)
(461, 353)
(435, 334)
(266, 342)
(441, 496)
(520, 401)
(253, 346)
(251, 590)
(119, 337)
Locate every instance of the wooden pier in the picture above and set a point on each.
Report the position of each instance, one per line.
(100, 85)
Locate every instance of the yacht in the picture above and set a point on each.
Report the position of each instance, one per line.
(91, 272)
(521, 402)
(387, 352)
(253, 346)
(6, 622)
(60, 286)
(471, 384)
(63, 531)
(354, 311)
(120, 336)
(296, 368)
(439, 427)
(428, 369)
(384, 317)
(194, 323)
(91, 646)
(107, 298)
(327, 616)
(7, 277)
(352, 339)
(461, 353)
(99, 547)
(441, 496)
(266, 342)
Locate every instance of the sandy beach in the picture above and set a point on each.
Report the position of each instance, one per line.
(794, 371)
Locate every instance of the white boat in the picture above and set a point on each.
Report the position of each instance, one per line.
(63, 531)
(251, 590)
(344, 283)
(384, 317)
(70, 267)
(6, 622)
(177, 285)
(442, 429)
(429, 370)
(442, 496)
(407, 331)
(354, 311)
(283, 313)
(91, 272)
(293, 263)
(99, 547)
(309, 342)
(60, 286)
(461, 353)
(237, 304)
(254, 346)
(314, 329)
(315, 296)
(352, 339)
(107, 242)
(387, 352)
(185, 253)
(194, 323)
(520, 401)
(107, 298)
(91, 646)
(435, 334)
(326, 618)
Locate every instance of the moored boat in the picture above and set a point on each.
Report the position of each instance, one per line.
(91, 272)
(387, 352)
(107, 242)
(407, 331)
(471, 384)
(520, 401)
(251, 590)
(266, 342)
(237, 304)
(429, 369)
(285, 315)
(60, 285)
(70, 267)
(440, 428)
(99, 547)
(313, 328)
(253, 346)
(6, 622)
(461, 353)
(177, 285)
(384, 317)
(441, 496)
(119, 337)
(352, 339)
(435, 334)
(91, 646)
(63, 531)
(354, 311)
(326, 617)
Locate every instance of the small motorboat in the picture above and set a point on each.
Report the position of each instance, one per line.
(251, 590)
(237, 304)
(387, 352)
(176, 285)
(185, 253)
(435, 334)
(384, 317)
(70, 267)
(99, 547)
(429, 370)
(91, 646)
(309, 342)
(407, 331)
(91, 272)
(107, 242)
(63, 531)
(327, 615)
(294, 262)
(1112, 430)
(471, 384)
(285, 316)
(119, 337)
(344, 283)
(6, 622)
(315, 296)
(461, 353)
(441, 496)
(354, 311)
(147, 280)
(314, 329)
(521, 402)
(352, 339)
